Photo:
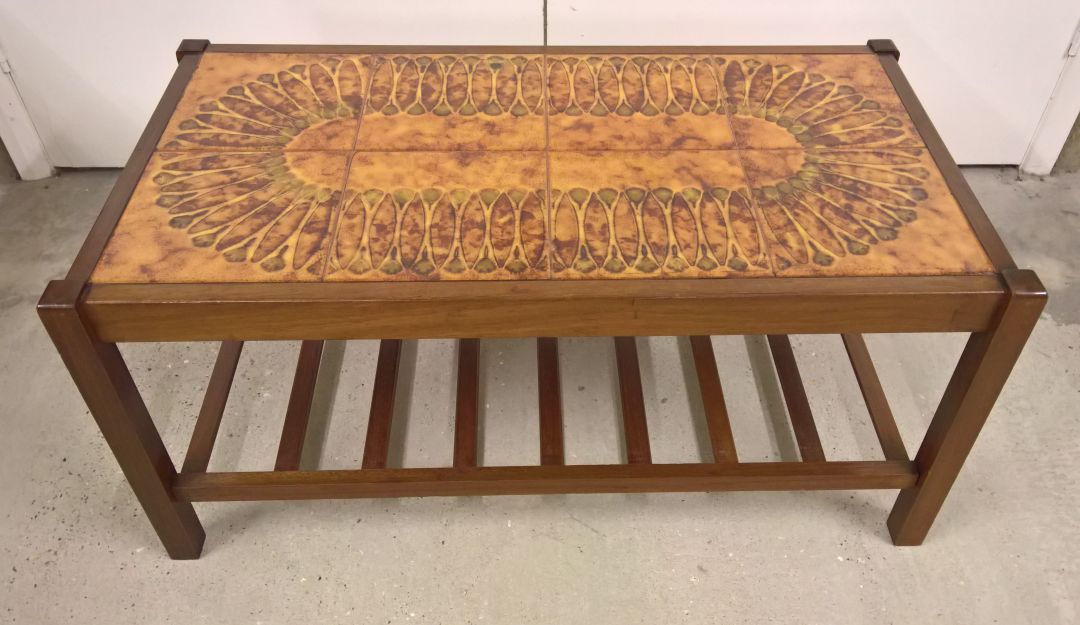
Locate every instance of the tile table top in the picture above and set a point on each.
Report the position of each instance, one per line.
(281, 167)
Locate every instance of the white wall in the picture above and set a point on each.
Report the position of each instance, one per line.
(91, 72)
(984, 69)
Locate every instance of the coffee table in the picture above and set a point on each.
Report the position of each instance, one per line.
(316, 193)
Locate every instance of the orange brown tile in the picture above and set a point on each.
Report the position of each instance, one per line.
(506, 166)
(781, 101)
(489, 102)
(653, 214)
(879, 212)
(243, 102)
(227, 217)
(443, 215)
(616, 102)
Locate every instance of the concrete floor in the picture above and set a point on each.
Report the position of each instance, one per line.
(76, 547)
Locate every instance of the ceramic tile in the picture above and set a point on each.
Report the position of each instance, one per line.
(635, 102)
(227, 217)
(241, 102)
(455, 102)
(652, 214)
(286, 167)
(443, 215)
(884, 211)
(792, 101)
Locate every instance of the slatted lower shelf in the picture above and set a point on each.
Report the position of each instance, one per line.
(540, 480)
(639, 474)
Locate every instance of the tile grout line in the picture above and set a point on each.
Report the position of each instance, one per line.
(739, 149)
(549, 235)
(336, 222)
(759, 216)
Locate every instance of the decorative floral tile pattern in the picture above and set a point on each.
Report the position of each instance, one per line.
(443, 215)
(507, 166)
(455, 102)
(633, 102)
(806, 101)
(242, 102)
(227, 217)
(653, 214)
(884, 211)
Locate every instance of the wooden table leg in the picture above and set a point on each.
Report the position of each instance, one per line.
(979, 377)
(103, 378)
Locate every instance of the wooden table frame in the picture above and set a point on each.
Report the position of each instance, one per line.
(86, 322)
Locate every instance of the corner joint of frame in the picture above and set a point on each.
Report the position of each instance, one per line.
(1023, 283)
(59, 295)
(191, 46)
(884, 46)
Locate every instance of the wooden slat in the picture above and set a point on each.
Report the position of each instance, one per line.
(551, 426)
(468, 392)
(802, 421)
(297, 414)
(712, 397)
(213, 407)
(619, 478)
(892, 445)
(633, 401)
(382, 405)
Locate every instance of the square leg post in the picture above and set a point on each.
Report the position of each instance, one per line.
(979, 377)
(103, 378)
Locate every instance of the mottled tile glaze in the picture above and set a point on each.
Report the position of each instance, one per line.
(491, 166)
(652, 214)
(455, 102)
(440, 215)
(807, 101)
(227, 217)
(883, 211)
(620, 102)
(242, 102)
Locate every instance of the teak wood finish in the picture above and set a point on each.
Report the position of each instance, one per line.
(799, 277)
